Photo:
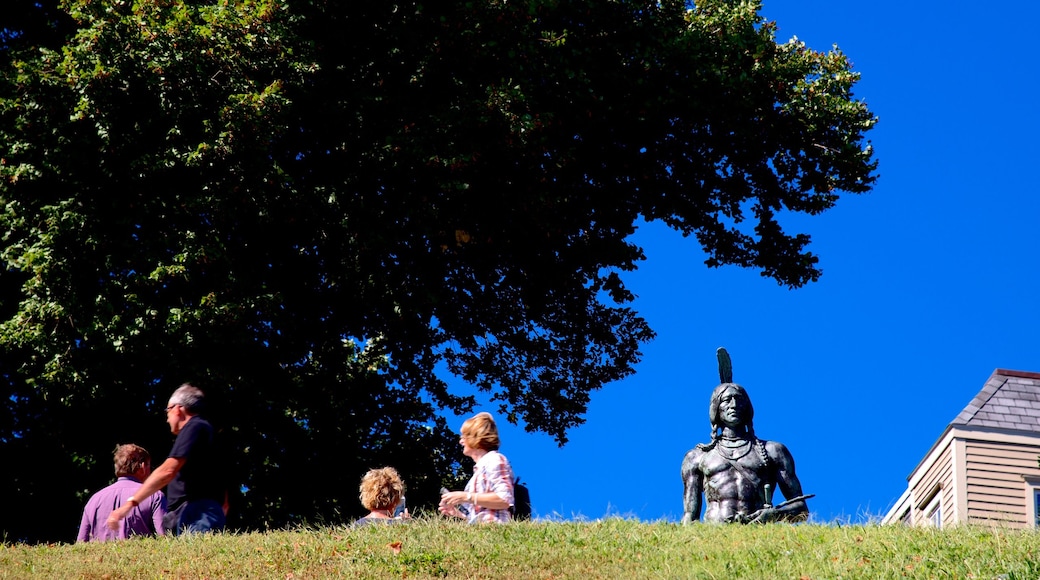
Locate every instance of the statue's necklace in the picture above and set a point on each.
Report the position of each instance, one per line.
(734, 453)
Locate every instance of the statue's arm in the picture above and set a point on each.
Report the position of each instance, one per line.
(787, 480)
(693, 484)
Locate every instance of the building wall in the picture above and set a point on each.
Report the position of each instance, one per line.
(935, 481)
(983, 468)
(979, 477)
(996, 481)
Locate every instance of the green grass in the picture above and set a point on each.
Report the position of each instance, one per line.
(611, 548)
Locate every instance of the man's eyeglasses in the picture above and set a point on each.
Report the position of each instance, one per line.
(170, 407)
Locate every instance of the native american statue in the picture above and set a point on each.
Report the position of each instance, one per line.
(736, 471)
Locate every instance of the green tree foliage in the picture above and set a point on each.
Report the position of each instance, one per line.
(317, 210)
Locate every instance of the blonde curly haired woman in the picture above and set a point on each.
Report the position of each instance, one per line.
(381, 492)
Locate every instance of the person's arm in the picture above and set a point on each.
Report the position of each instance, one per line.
(692, 486)
(489, 500)
(500, 481)
(450, 502)
(160, 478)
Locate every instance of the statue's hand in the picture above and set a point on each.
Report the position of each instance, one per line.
(764, 516)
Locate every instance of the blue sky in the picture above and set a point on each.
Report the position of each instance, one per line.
(929, 284)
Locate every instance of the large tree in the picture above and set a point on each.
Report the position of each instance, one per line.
(318, 210)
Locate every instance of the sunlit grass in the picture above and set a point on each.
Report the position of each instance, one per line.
(609, 548)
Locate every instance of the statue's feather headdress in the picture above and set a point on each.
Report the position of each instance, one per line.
(725, 366)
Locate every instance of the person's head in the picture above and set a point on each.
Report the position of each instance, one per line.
(132, 461)
(381, 489)
(730, 406)
(480, 432)
(185, 403)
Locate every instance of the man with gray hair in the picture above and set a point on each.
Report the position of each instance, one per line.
(196, 492)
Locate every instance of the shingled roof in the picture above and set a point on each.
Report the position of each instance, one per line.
(1009, 400)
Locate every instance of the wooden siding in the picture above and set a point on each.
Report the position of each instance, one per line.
(937, 479)
(949, 516)
(995, 486)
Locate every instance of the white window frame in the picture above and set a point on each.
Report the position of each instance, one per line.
(1032, 494)
(933, 512)
(929, 509)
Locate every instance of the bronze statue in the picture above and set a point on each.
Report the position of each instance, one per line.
(737, 472)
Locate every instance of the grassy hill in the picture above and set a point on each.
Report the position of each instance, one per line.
(612, 548)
